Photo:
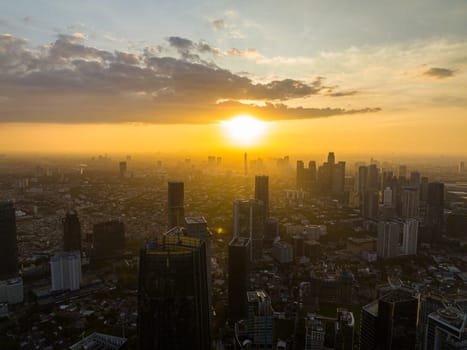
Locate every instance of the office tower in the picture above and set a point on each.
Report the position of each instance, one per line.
(173, 306)
(390, 323)
(410, 202)
(298, 246)
(245, 164)
(447, 329)
(175, 204)
(306, 177)
(338, 178)
(248, 222)
(197, 227)
(262, 192)
(370, 205)
(409, 236)
(71, 232)
(415, 179)
(123, 169)
(65, 269)
(387, 197)
(8, 245)
(331, 158)
(402, 171)
(314, 333)
(108, 239)
(373, 178)
(456, 224)
(344, 330)
(300, 174)
(424, 189)
(389, 232)
(260, 319)
(387, 179)
(271, 231)
(239, 257)
(362, 179)
(434, 220)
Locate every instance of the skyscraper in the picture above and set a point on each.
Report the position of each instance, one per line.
(123, 168)
(446, 329)
(344, 330)
(173, 306)
(390, 323)
(65, 269)
(239, 257)
(435, 210)
(370, 204)
(410, 199)
(260, 319)
(409, 237)
(262, 192)
(388, 244)
(108, 239)
(248, 222)
(338, 178)
(8, 245)
(315, 333)
(71, 232)
(175, 203)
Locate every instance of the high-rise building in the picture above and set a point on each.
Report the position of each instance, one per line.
(176, 204)
(338, 178)
(260, 319)
(331, 158)
(65, 269)
(410, 202)
(344, 330)
(108, 239)
(248, 222)
(403, 171)
(245, 163)
(262, 192)
(173, 304)
(447, 329)
(390, 323)
(461, 168)
(306, 177)
(415, 179)
(434, 220)
(388, 244)
(409, 237)
(239, 258)
(71, 232)
(387, 197)
(8, 245)
(271, 231)
(101, 341)
(315, 333)
(373, 178)
(370, 205)
(362, 179)
(123, 169)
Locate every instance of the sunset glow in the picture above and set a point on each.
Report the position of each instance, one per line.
(244, 130)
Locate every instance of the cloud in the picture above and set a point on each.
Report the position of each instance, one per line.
(67, 81)
(218, 24)
(250, 53)
(343, 93)
(439, 73)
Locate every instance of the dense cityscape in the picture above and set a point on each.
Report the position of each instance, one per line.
(280, 253)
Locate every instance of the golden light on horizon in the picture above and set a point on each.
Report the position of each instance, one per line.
(244, 130)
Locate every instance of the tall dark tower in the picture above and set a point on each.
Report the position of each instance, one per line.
(262, 192)
(173, 307)
(245, 163)
(175, 202)
(435, 210)
(123, 168)
(239, 258)
(71, 232)
(331, 159)
(8, 246)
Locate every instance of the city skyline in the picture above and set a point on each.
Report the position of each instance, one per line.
(104, 77)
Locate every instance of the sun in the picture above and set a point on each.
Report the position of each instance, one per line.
(244, 130)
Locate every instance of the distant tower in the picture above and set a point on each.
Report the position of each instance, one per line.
(410, 202)
(175, 202)
(435, 210)
(239, 258)
(123, 169)
(331, 159)
(409, 237)
(8, 245)
(389, 233)
(461, 168)
(262, 192)
(173, 306)
(245, 163)
(248, 222)
(71, 232)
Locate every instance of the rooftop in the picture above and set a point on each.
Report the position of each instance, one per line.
(99, 341)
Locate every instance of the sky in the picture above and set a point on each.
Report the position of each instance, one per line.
(119, 76)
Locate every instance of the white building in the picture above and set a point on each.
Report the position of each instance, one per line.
(387, 197)
(65, 269)
(409, 237)
(388, 245)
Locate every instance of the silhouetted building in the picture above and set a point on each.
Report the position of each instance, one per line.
(108, 239)
(262, 192)
(271, 231)
(248, 222)
(373, 178)
(409, 237)
(71, 232)
(410, 202)
(173, 306)
(370, 205)
(176, 204)
(8, 245)
(434, 220)
(338, 178)
(239, 261)
(306, 177)
(390, 323)
(461, 168)
(388, 244)
(456, 224)
(123, 169)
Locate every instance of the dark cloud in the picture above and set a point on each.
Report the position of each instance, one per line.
(343, 93)
(68, 81)
(439, 73)
(218, 24)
